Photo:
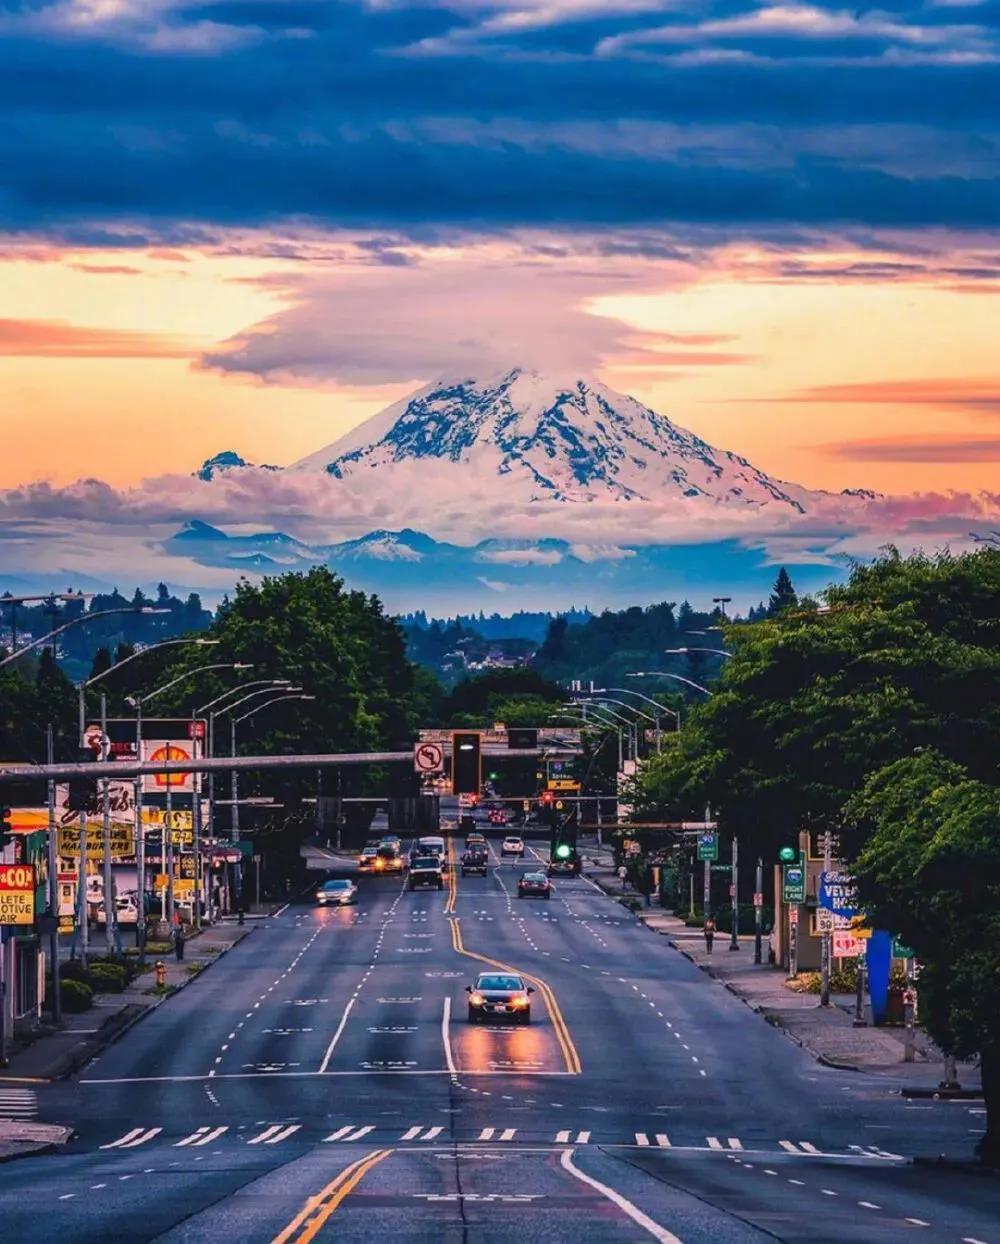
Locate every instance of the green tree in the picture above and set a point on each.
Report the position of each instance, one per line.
(929, 870)
(783, 595)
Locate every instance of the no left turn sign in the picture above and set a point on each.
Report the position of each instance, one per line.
(428, 757)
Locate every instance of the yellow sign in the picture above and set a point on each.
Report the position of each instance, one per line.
(17, 894)
(122, 841)
(859, 928)
(183, 889)
(563, 784)
(160, 881)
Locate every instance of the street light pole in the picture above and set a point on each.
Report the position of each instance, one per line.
(53, 865)
(734, 940)
(825, 962)
(758, 911)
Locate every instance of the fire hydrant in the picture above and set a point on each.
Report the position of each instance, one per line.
(161, 974)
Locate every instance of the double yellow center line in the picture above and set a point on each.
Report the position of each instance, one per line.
(569, 1052)
(318, 1209)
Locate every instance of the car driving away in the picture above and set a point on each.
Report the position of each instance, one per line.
(337, 893)
(475, 860)
(425, 871)
(534, 885)
(512, 845)
(499, 995)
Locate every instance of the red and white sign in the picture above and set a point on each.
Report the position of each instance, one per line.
(428, 757)
(846, 946)
(793, 916)
(758, 899)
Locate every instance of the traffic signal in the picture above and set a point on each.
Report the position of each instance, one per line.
(466, 763)
(6, 829)
(563, 851)
(83, 791)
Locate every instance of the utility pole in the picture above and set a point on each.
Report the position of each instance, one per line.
(81, 876)
(758, 911)
(53, 861)
(734, 939)
(707, 879)
(827, 947)
(140, 847)
(110, 906)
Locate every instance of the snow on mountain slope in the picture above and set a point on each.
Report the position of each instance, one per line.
(561, 438)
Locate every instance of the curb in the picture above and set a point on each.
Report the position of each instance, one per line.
(30, 1151)
(117, 1025)
(956, 1165)
(943, 1094)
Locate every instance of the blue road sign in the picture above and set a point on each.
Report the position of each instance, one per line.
(836, 894)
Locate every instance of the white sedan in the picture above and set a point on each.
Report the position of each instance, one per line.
(512, 845)
(337, 893)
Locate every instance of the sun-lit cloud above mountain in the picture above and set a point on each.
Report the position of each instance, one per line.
(247, 224)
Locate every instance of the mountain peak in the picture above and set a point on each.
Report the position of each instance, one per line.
(228, 460)
(554, 436)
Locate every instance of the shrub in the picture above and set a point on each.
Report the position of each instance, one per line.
(75, 996)
(72, 970)
(124, 965)
(159, 948)
(107, 977)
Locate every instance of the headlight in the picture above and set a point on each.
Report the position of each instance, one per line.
(320, 895)
(476, 999)
(519, 1001)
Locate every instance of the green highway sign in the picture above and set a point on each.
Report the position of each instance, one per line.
(793, 888)
(708, 846)
(899, 951)
(722, 868)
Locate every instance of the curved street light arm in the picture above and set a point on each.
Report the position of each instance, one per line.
(139, 700)
(228, 708)
(86, 617)
(165, 643)
(719, 652)
(665, 674)
(664, 708)
(244, 686)
(267, 704)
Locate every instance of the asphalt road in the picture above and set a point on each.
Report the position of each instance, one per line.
(321, 1083)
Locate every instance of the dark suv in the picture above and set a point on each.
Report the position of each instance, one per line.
(475, 860)
(425, 870)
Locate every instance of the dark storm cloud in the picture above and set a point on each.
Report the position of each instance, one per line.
(165, 119)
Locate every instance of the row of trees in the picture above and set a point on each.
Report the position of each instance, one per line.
(877, 718)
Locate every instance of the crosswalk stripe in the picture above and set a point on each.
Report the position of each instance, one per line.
(809, 1148)
(662, 1141)
(362, 1131)
(283, 1133)
(266, 1134)
(190, 1140)
(213, 1133)
(132, 1139)
(641, 1139)
(487, 1133)
(411, 1133)
(432, 1132)
(788, 1146)
(734, 1143)
(583, 1138)
(340, 1133)
(508, 1133)
(562, 1138)
(714, 1142)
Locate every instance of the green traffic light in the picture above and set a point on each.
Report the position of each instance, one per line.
(563, 850)
(786, 855)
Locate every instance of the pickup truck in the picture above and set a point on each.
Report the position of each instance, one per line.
(425, 870)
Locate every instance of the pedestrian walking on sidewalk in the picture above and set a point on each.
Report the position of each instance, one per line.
(709, 933)
(179, 943)
(622, 874)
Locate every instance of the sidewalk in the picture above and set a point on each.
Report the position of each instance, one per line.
(54, 1053)
(827, 1033)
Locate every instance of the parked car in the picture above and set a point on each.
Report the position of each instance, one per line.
(128, 912)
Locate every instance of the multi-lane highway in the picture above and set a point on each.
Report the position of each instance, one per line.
(321, 1082)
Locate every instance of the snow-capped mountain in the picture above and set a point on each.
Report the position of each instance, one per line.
(546, 438)
(228, 460)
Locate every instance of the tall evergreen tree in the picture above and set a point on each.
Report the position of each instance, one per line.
(783, 594)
